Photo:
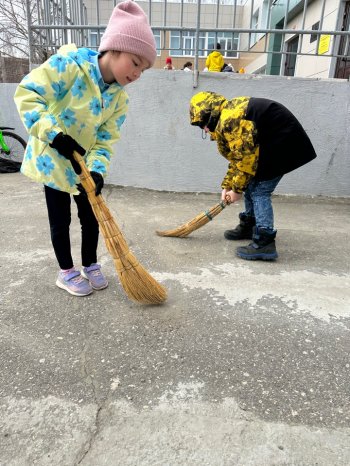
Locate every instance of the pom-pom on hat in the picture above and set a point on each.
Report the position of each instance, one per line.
(128, 30)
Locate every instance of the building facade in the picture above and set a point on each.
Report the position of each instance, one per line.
(242, 29)
(303, 38)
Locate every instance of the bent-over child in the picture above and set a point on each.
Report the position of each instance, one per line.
(262, 140)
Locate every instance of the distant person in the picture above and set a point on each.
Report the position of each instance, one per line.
(262, 140)
(241, 70)
(228, 68)
(187, 66)
(215, 61)
(76, 101)
(169, 64)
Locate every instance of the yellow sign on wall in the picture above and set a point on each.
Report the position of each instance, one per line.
(323, 45)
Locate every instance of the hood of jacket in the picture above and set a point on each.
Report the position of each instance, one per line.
(215, 54)
(81, 56)
(205, 109)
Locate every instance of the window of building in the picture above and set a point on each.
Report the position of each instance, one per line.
(315, 27)
(157, 36)
(229, 44)
(94, 37)
(184, 44)
(259, 21)
(204, 2)
(254, 25)
(175, 47)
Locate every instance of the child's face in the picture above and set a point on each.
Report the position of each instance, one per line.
(122, 67)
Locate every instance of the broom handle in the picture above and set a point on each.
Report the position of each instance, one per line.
(85, 177)
(103, 216)
(88, 182)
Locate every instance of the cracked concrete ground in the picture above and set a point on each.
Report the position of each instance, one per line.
(247, 363)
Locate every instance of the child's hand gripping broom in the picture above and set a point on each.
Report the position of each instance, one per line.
(202, 219)
(138, 284)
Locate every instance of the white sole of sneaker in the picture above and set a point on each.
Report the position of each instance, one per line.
(101, 287)
(63, 287)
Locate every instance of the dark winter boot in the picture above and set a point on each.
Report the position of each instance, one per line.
(263, 246)
(244, 230)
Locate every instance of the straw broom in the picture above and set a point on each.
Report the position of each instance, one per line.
(197, 222)
(138, 284)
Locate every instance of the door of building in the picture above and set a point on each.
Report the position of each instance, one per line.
(291, 56)
(342, 69)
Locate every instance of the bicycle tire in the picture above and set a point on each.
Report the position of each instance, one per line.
(16, 144)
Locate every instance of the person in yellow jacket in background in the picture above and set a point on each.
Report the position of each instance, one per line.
(215, 61)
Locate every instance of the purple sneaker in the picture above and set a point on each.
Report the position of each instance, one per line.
(74, 283)
(96, 278)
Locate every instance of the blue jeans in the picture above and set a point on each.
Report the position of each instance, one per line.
(257, 201)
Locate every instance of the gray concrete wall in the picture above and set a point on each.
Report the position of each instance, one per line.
(160, 150)
(8, 112)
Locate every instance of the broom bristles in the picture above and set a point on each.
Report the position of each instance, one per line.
(138, 284)
(197, 222)
(147, 291)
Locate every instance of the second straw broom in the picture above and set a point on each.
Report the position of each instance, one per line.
(197, 222)
(138, 284)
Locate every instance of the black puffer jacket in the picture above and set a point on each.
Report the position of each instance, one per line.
(284, 144)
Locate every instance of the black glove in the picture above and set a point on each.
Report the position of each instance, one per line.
(99, 182)
(65, 145)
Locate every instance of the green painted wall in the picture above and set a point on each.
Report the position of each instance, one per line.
(273, 65)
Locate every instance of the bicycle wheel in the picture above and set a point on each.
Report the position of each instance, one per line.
(16, 147)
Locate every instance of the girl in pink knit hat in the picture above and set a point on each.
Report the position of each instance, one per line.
(76, 101)
(128, 33)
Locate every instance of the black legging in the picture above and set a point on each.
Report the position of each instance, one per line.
(59, 210)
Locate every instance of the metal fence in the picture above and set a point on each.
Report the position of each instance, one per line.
(269, 35)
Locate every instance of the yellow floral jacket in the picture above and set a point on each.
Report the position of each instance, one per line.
(63, 95)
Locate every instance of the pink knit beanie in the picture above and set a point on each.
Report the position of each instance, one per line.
(128, 30)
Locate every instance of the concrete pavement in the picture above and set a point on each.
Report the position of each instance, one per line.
(247, 363)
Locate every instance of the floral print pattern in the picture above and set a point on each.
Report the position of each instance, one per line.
(63, 95)
(30, 118)
(60, 89)
(45, 164)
